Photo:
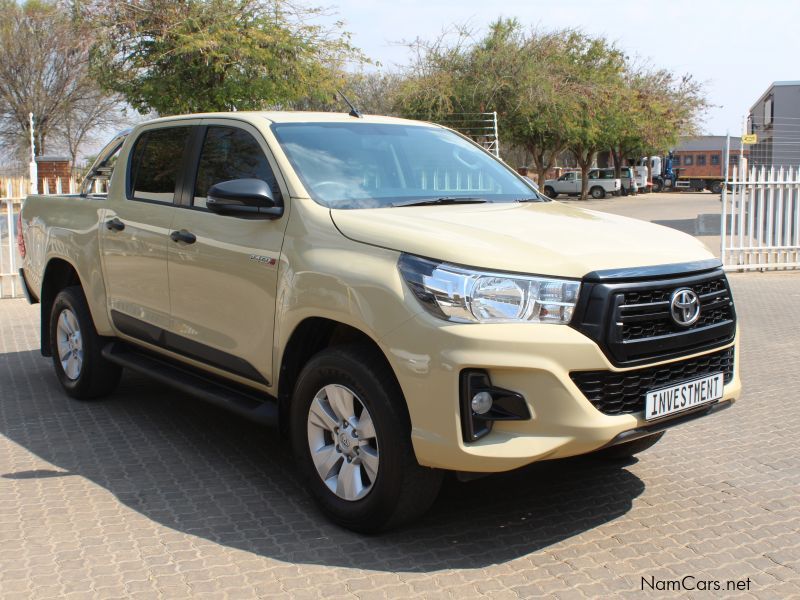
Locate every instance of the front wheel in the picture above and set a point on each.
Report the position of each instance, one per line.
(658, 186)
(598, 193)
(80, 367)
(351, 436)
(716, 187)
(550, 192)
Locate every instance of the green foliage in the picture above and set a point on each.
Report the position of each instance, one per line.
(553, 91)
(191, 56)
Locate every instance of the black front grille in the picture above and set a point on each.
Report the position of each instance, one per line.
(632, 322)
(646, 314)
(623, 393)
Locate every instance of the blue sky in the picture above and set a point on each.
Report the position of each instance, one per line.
(736, 47)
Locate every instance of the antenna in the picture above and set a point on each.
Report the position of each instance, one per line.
(354, 112)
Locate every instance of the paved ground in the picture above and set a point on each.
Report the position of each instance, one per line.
(152, 494)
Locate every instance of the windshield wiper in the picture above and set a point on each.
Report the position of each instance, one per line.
(443, 200)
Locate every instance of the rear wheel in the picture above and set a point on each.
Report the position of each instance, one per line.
(716, 187)
(628, 449)
(80, 367)
(352, 438)
(597, 192)
(550, 192)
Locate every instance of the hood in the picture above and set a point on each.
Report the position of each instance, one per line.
(546, 238)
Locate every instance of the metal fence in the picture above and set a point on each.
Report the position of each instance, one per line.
(761, 218)
(9, 255)
(481, 127)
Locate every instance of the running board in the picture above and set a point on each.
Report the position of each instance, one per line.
(251, 404)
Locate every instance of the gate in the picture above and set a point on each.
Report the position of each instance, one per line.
(761, 219)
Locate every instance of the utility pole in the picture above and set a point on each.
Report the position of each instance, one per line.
(34, 175)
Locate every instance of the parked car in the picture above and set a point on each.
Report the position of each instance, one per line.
(570, 184)
(394, 298)
(628, 180)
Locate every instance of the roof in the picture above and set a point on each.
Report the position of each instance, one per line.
(289, 117)
(705, 142)
(771, 87)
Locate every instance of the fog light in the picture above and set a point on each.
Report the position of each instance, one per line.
(481, 403)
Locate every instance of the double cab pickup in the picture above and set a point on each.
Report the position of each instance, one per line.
(396, 300)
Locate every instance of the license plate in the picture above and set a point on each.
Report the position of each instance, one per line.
(683, 396)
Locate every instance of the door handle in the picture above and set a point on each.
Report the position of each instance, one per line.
(187, 237)
(115, 225)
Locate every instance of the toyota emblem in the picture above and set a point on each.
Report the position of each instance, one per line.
(684, 306)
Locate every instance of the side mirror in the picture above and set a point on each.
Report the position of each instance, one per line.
(243, 198)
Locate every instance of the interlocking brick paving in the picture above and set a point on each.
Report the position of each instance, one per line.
(153, 494)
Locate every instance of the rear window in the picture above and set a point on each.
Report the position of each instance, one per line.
(155, 161)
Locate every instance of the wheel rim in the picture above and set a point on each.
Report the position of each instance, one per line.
(342, 442)
(69, 343)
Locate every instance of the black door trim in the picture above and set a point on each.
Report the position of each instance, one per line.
(173, 342)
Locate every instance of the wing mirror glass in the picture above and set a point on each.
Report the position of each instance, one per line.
(243, 198)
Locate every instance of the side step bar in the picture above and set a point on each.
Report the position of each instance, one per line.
(252, 405)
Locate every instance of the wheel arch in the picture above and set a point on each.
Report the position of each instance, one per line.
(58, 274)
(309, 337)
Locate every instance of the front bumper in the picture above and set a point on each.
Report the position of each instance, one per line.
(534, 360)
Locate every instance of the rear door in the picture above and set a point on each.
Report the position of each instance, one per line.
(136, 232)
(223, 282)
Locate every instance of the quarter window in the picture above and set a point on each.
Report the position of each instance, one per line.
(156, 159)
(231, 153)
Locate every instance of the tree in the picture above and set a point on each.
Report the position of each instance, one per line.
(95, 112)
(43, 70)
(213, 55)
(594, 71)
(659, 106)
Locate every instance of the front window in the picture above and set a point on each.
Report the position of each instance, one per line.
(230, 153)
(372, 165)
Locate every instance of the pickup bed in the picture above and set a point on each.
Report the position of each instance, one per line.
(395, 299)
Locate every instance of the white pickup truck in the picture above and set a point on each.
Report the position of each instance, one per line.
(570, 183)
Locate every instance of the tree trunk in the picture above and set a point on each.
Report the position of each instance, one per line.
(616, 154)
(585, 159)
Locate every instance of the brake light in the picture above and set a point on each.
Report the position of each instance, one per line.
(20, 239)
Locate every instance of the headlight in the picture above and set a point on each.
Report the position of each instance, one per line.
(464, 295)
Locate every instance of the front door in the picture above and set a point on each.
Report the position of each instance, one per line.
(223, 270)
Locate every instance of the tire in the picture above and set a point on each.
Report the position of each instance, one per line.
(597, 192)
(715, 187)
(628, 449)
(365, 495)
(550, 192)
(624, 191)
(80, 367)
(658, 186)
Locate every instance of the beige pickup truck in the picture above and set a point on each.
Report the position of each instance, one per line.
(398, 301)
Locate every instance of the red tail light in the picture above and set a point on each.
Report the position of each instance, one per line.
(20, 239)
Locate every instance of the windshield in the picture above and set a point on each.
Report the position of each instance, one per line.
(371, 165)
